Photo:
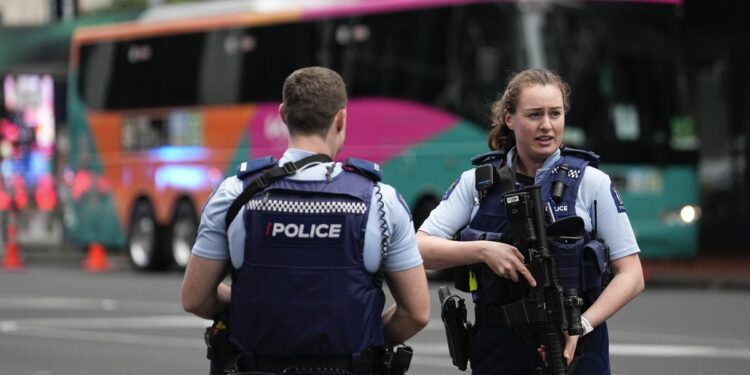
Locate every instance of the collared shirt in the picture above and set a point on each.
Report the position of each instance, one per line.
(461, 203)
(214, 243)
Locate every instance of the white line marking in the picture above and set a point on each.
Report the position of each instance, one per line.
(136, 322)
(107, 337)
(665, 351)
(669, 338)
(70, 303)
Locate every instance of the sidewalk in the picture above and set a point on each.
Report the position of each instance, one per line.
(719, 270)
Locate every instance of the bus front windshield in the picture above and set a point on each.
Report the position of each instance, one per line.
(623, 63)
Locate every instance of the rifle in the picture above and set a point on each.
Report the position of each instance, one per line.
(545, 309)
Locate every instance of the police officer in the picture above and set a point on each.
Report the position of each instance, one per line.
(308, 248)
(526, 136)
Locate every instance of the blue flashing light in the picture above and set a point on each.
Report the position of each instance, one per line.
(178, 153)
(181, 177)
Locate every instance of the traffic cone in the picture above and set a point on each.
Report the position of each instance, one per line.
(12, 260)
(97, 258)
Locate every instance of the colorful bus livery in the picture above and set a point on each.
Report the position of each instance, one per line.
(160, 112)
(162, 156)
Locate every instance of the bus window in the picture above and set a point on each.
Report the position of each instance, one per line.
(626, 77)
(484, 49)
(143, 73)
(403, 54)
(276, 51)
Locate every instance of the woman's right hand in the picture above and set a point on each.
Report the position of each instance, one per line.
(506, 261)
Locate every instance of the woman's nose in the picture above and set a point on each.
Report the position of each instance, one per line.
(546, 122)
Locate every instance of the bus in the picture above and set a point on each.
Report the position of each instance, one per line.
(161, 109)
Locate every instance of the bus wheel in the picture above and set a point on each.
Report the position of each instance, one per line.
(184, 231)
(143, 238)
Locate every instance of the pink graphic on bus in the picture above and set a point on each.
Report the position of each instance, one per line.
(377, 129)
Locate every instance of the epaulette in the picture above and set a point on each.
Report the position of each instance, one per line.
(255, 165)
(487, 157)
(589, 156)
(367, 168)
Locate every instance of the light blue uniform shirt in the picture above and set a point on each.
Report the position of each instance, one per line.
(462, 202)
(213, 243)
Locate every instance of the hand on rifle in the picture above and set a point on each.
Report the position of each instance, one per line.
(506, 261)
(568, 353)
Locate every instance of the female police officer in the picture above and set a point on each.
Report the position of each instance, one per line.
(528, 121)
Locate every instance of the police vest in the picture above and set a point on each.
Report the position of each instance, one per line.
(581, 260)
(303, 289)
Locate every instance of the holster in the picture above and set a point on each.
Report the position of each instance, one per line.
(398, 360)
(220, 352)
(457, 329)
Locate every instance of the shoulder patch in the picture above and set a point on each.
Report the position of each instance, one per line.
(589, 156)
(368, 168)
(255, 165)
(488, 157)
(616, 197)
(451, 188)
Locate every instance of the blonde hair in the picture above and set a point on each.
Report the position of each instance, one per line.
(500, 136)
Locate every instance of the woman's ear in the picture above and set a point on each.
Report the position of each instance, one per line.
(508, 120)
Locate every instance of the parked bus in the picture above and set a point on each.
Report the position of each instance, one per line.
(163, 108)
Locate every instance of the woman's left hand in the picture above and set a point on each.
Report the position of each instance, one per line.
(568, 353)
(570, 348)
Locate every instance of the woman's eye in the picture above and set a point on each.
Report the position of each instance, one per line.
(555, 114)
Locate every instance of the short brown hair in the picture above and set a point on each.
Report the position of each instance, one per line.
(500, 136)
(312, 97)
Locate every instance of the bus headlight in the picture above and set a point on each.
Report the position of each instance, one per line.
(688, 214)
(685, 215)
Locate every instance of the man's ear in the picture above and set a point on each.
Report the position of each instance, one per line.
(341, 120)
(281, 112)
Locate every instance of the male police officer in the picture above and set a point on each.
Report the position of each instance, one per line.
(305, 247)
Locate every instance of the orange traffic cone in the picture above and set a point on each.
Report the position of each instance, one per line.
(12, 260)
(97, 258)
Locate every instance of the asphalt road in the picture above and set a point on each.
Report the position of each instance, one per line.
(58, 319)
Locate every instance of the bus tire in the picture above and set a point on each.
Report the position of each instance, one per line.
(183, 231)
(143, 239)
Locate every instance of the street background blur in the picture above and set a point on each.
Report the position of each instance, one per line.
(106, 156)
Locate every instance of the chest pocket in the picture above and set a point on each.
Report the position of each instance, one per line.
(581, 263)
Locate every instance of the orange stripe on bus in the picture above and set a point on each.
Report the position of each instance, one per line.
(223, 129)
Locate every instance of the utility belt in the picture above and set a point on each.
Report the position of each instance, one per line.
(226, 359)
(374, 361)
